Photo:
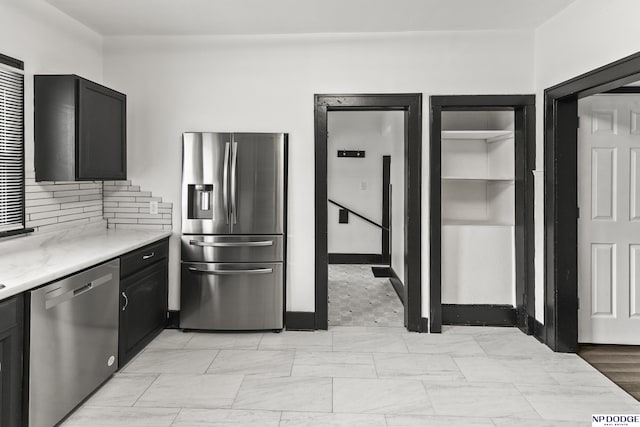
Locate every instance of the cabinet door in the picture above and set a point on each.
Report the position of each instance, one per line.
(101, 145)
(143, 309)
(10, 377)
(11, 362)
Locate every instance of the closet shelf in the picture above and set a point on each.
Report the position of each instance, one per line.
(477, 178)
(475, 223)
(485, 135)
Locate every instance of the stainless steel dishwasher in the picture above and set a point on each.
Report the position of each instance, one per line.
(73, 341)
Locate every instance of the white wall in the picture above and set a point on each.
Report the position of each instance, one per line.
(49, 42)
(267, 84)
(586, 35)
(357, 182)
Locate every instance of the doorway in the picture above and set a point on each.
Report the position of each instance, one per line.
(609, 224)
(491, 205)
(365, 159)
(562, 210)
(411, 106)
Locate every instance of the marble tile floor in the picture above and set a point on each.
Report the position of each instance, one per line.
(353, 376)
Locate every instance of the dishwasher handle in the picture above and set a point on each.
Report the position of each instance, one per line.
(83, 289)
(53, 298)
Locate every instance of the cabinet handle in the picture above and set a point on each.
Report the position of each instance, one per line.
(151, 255)
(126, 301)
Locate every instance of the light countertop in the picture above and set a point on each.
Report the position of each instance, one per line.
(30, 261)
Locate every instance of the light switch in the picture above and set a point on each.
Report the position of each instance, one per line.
(363, 185)
(153, 207)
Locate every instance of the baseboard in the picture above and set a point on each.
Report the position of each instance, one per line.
(523, 320)
(397, 284)
(173, 319)
(422, 326)
(355, 259)
(479, 315)
(300, 320)
(122, 361)
(538, 329)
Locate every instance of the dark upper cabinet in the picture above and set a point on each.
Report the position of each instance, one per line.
(143, 298)
(79, 130)
(11, 349)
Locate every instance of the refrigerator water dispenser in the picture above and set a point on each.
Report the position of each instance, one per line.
(200, 197)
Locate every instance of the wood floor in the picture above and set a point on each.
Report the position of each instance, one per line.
(620, 363)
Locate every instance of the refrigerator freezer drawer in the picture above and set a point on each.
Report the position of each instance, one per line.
(231, 296)
(232, 248)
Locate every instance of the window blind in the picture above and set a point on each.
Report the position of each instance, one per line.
(11, 149)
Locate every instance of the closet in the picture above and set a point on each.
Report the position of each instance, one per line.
(481, 159)
(478, 207)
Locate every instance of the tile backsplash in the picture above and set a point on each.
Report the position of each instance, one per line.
(126, 206)
(52, 205)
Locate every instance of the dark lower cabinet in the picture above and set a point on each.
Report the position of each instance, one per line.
(143, 299)
(11, 349)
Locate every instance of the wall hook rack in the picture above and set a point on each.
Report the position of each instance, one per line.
(351, 153)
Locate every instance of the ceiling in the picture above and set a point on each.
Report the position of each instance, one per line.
(218, 17)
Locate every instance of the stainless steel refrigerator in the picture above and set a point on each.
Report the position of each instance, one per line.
(233, 231)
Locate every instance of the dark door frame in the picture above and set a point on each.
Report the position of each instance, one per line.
(523, 107)
(411, 104)
(386, 210)
(560, 330)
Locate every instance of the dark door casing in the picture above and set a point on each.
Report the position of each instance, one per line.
(560, 330)
(411, 104)
(523, 107)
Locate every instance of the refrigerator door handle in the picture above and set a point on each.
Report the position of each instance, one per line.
(225, 182)
(234, 183)
(231, 244)
(233, 272)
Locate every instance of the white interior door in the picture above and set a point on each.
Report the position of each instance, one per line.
(609, 223)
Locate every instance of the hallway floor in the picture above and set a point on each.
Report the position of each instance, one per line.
(620, 363)
(358, 298)
(353, 376)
